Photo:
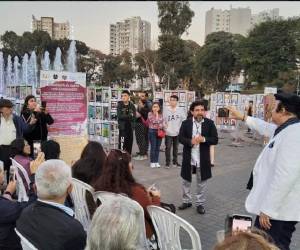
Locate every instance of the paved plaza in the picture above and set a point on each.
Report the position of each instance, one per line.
(226, 190)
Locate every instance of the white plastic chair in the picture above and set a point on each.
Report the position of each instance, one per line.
(26, 245)
(108, 197)
(21, 189)
(78, 196)
(104, 196)
(167, 226)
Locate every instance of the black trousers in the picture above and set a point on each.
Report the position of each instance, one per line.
(280, 231)
(4, 156)
(126, 140)
(169, 141)
(141, 136)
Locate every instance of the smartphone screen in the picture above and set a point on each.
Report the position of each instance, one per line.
(241, 223)
(36, 149)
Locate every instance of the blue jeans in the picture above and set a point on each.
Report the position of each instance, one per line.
(155, 143)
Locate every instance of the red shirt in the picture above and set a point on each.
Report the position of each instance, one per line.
(140, 195)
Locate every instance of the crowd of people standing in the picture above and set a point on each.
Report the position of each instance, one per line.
(47, 218)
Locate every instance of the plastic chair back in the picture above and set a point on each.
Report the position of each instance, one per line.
(21, 186)
(78, 196)
(26, 245)
(167, 226)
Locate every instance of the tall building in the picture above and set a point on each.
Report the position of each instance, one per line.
(236, 20)
(133, 34)
(265, 16)
(55, 30)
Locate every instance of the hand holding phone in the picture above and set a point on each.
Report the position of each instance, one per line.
(241, 223)
(36, 148)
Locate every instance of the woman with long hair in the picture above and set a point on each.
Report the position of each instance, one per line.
(89, 167)
(156, 122)
(117, 177)
(40, 131)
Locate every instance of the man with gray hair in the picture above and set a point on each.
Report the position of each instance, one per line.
(47, 223)
(117, 224)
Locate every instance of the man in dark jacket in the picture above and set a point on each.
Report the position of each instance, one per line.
(126, 113)
(11, 128)
(47, 223)
(196, 134)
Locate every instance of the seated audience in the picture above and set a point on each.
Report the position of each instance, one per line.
(51, 150)
(88, 168)
(20, 151)
(117, 177)
(245, 241)
(115, 225)
(10, 210)
(47, 223)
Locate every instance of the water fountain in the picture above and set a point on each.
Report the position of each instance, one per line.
(9, 76)
(25, 69)
(46, 61)
(57, 61)
(32, 70)
(2, 83)
(16, 79)
(71, 60)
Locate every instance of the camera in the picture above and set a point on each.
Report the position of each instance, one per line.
(223, 112)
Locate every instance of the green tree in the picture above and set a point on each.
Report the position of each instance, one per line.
(92, 64)
(148, 61)
(217, 60)
(270, 50)
(175, 18)
(110, 69)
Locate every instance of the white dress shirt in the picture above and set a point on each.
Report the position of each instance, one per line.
(197, 129)
(8, 131)
(276, 174)
(66, 209)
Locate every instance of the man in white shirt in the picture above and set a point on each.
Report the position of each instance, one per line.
(11, 127)
(274, 197)
(173, 116)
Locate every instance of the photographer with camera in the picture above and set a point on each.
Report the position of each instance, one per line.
(32, 109)
(126, 114)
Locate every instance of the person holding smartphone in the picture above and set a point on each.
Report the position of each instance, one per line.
(32, 109)
(10, 210)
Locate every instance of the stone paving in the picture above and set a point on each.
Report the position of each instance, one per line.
(226, 190)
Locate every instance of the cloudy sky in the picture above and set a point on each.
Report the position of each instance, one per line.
(91, 19)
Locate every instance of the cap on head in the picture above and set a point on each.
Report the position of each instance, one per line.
(290, 99)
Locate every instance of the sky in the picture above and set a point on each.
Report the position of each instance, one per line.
(91, 20)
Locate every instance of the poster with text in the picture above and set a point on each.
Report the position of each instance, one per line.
(66, 102)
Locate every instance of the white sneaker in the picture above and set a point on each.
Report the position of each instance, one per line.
(152, 165)
(157, 165)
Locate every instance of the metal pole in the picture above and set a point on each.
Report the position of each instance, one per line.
(297, 82)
